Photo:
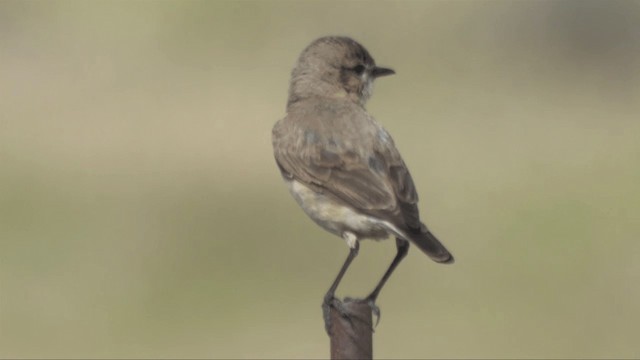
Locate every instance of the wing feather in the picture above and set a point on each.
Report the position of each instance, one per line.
(371, 177)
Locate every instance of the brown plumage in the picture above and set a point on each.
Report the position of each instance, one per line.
(329, 143)
(340, 164)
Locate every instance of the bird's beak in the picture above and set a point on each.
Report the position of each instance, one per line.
(380, 71)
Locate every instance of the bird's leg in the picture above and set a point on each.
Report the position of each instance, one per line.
(329, 297)
(403, 248)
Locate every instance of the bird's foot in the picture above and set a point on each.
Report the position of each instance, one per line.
(375, 310)
(332, 302)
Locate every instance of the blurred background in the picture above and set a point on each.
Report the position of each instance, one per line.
(142, 214)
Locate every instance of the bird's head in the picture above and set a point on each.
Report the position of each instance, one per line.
(335, 67)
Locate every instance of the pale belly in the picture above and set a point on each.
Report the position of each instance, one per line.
(338, 218)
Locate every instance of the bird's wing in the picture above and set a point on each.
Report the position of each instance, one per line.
(373, 180)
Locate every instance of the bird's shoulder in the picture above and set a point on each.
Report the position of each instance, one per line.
(332, 125)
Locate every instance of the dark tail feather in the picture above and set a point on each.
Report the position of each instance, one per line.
(431, 246)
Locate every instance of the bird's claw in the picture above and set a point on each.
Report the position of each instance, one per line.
(376, 311)
(331, 302)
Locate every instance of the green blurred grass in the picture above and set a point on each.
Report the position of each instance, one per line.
(142, 215)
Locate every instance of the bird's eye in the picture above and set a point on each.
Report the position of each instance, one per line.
(359, 69)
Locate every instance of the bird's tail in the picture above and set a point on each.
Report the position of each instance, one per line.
(431, 246)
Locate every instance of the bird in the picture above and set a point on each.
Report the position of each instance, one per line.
(339, 163)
